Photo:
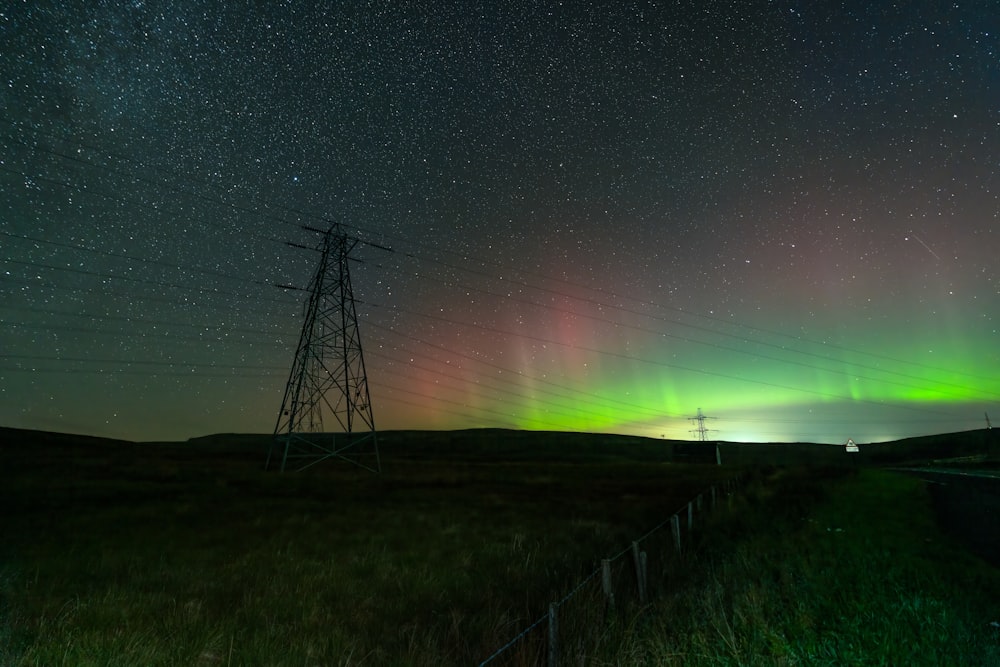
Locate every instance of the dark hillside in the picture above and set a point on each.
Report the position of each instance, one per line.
(500, 445)
(909, 450)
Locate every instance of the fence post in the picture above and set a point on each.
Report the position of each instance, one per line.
(690, 516)
(698, 502)
(714, 500)
(609, 594)
(639, 579)
(553, 636)
(644, 566)
(675, 528)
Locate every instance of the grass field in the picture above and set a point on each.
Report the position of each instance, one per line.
(122, 554)
(146, 555)
(826, 568)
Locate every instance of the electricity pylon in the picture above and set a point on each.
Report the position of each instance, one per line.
(328, 378)
(700, 430)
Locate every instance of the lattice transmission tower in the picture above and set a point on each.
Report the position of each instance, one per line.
(327, 382)
(700, 431)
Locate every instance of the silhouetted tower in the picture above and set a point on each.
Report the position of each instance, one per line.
(700, 430)
(327, 382)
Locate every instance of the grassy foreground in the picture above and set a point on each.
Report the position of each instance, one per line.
(120, 555)
(851, 570)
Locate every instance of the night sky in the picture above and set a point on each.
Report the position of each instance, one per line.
(601, 216)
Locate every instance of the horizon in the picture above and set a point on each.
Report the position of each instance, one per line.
(707, 442)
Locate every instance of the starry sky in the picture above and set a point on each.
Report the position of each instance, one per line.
(584, 216)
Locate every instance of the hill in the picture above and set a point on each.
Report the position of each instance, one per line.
(495, 445)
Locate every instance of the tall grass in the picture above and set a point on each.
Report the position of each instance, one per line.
(153, 560)
(864, 577)
(149, 561)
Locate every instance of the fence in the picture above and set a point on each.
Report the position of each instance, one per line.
(624, 575)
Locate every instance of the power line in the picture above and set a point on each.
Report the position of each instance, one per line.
(38, 132)
(936, 388)
(525, 402)
(583, 299)
(138, 320)
(126, 371)
(170, 364)
(143, 260)
(651, 362)
(506, 416)
(131, 279)
(603, 304)
(852, 420)
(130, 320)
(217, 292)
(104, 292)
(536, 401)
(423, 407)
(575, 394)
(135, 362)
(143, 335)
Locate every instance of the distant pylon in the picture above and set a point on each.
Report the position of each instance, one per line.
(328, 377)
(700, 431)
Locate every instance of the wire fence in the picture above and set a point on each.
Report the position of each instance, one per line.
(566, 633)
